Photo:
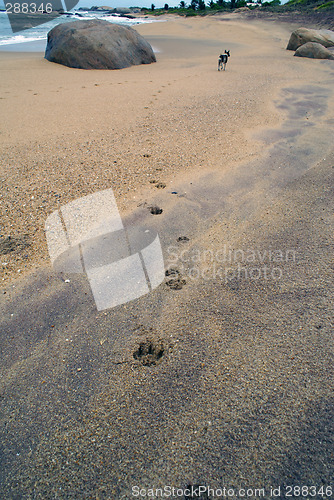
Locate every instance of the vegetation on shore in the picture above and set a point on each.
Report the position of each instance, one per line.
(204, 7)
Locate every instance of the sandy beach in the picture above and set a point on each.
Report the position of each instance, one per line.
(241, 396)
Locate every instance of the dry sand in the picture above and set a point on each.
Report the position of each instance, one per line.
(65, 129)
(242, 394)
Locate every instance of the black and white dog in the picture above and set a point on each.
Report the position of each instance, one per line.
(222, 60)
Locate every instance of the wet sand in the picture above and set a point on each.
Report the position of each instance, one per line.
(239, 390)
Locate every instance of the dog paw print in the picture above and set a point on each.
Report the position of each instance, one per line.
(155, 210)
(174, 279)
(149, 352)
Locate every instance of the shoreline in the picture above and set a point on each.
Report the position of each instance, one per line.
(23, 47)
(289, 19)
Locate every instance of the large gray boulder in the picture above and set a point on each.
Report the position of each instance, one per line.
(304, 35)
(314, 51)
(122, 10)
(97, 44)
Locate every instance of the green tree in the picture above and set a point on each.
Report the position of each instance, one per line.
(182, 4)
(152, 6)
(201, 5)
(166, 6)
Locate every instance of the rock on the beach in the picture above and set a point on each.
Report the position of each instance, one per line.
(314, 51)
(97, 44)
(305, 35)
(122, 10)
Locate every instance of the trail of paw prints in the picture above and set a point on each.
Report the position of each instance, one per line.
(157, 92)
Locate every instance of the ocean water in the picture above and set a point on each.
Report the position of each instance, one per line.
(7, 37)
